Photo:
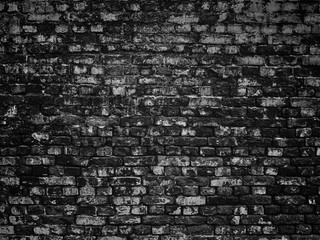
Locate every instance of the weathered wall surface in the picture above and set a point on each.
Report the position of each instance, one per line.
(159, 120)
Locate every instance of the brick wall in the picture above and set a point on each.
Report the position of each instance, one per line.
(159, 120)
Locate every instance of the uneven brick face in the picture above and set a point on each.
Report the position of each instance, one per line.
(164, 120)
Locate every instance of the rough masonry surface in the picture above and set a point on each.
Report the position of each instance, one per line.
(159, 120)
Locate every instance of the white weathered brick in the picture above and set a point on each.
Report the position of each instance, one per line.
(272, 102)
(126, 200)
(292, 181)
(6, 230)
(90, 220)
(248, 60)
(205, 101)
(173, 161)
(275, 152)
(242, 161)
(206, 161)
(226, 181)
(67, 180)
(21, 200)
(259, 190)
(184, 19)
(186, 201)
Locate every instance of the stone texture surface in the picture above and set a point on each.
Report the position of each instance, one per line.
(159, 119)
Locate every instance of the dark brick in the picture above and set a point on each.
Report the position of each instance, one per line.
(255, 199)
(158, 220)
(219, 220)
(222, 200)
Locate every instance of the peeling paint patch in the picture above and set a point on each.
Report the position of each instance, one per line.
(39, 119)
(40, 136)
(12, 111)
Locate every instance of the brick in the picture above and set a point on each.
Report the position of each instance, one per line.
(272, 102)
(312, 18)
(171, 121)
(293, 200)
(111, 238)
(139, 210)
(222, 142)
(126, 200)
(104, 151)
(192, 181)
(204, 122)
(288, 219)
(8, 161)
(258, 180)
(10, 181)
(226, 181)
(274, 161)
(121, 141)
(214, 200)
(303, 102)
(242, 161)
(295, 181)
(173, 161)
(275, 152)
(184, 19)
(190, 220)
(190, 201)
(44, 17)
(90, 220)
(312, 219)
(302, 237)
(255, 199)
(21, 200)
(206, 161)
(157, 200)
(168, 38)
(6, 230)
(106, 161)
(314, 180)
(58, 181)
(314, 82)
(223, 171)
(180, 61)
(256, 219)
(136, 121)
(193, 141)
(157, 220)
(145, 237)
(216, 39)
(140, 161)
(205, 101)
(119, 181)
(126, 190)
(255, 61)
